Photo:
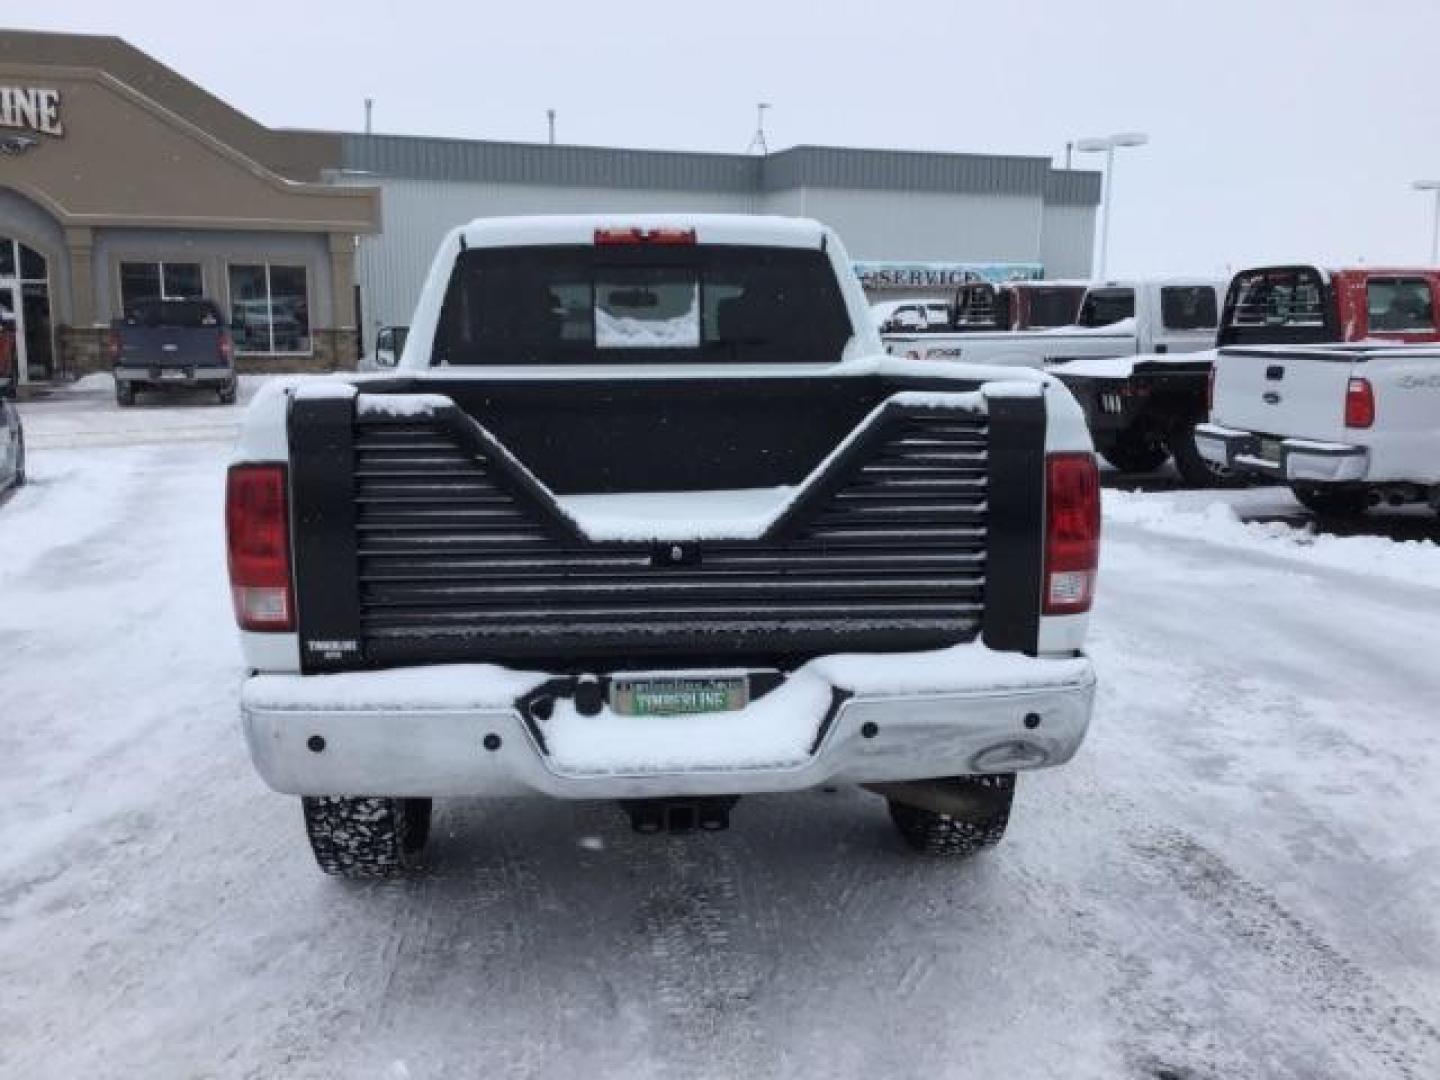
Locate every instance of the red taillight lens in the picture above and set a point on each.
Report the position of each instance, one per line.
(226, 347)
(1072, 532)
(644, 236)
(112, 346)
(257, 533)
(1359, 404)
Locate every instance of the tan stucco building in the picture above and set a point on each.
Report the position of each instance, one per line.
(120, 179)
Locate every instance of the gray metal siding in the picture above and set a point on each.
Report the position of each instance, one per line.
(529, 163)
(1066, 240)
(1072, 187)
(469, 161)
(922, 226)
(896, 170)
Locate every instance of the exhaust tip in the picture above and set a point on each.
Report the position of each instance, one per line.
(1009, 756)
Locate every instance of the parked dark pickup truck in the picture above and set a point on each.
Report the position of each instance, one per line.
(651, 517)
(171, 343)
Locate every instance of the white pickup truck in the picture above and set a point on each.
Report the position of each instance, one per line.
(645, 513)
(1345, 426)
(1118, 318)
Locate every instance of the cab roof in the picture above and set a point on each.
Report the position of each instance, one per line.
(555, 229)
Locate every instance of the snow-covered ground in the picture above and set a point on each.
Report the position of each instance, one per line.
(1237, 878)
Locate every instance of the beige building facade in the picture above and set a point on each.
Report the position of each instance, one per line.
(122, 181)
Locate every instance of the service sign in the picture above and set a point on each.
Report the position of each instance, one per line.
(31, 111)
(879, 276)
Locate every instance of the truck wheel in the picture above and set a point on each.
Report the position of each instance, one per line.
(124, 394)
(20, 461)
(1135, 452)
(226, 393)
(366, 837)
(1193, 468)
(932, 833)
(1327, 501)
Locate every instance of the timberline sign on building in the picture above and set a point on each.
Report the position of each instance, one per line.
(32, 110)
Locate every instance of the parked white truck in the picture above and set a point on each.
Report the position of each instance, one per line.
(647, 514)
(1117, 318)
(1345, 426)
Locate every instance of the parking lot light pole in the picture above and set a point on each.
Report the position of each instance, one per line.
(1433, 186)
(1108, 145)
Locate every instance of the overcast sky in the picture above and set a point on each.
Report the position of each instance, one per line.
(1278, 130)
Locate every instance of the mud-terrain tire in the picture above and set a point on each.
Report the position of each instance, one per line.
(226, 393)
(1134, 452)
(1192, 466)
(954, 836)
(1324, 501)
(366, 836)
(124, 394)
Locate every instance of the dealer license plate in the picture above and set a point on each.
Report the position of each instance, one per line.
(679, 696)
(1270, 450)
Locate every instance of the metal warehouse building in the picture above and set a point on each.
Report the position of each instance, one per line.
(915, 223)
(120, 179)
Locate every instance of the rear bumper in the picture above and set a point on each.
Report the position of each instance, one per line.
(1292, 459)
(355, 734)
(176, 375)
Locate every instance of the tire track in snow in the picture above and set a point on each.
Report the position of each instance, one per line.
(707, 978)
(1346, 997)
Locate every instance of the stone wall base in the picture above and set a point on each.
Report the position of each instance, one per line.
(82, 350)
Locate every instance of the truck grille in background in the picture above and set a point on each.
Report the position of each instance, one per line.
(456, 563)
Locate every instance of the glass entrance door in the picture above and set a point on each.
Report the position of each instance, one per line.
(39, 335)
(12, 341)
(25, 310)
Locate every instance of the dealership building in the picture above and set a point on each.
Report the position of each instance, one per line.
(120, 179)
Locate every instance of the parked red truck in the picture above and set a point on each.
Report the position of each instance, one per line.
(1018, 305)
(1144, 409)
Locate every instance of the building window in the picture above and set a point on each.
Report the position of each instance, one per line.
(159, 281)
(269, 309)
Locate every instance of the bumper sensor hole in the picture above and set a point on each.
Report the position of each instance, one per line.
(316, 743)
(869, 729)
(1032, 720)
(492, 741)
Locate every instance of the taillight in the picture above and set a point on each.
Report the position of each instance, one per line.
(1210, 391)
(1072, 532)
(225, 347)
(112, 346)
(1359, 404)
(257, 534)
(644, 236)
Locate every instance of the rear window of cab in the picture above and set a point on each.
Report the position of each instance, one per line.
(641, 304)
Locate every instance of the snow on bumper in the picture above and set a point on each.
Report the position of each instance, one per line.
(1281, 458)
(464, 730)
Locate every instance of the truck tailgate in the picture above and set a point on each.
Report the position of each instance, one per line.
(171, 346)
(1298, 392)
(438, 528)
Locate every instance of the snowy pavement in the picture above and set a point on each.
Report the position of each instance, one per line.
(1236, 878)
